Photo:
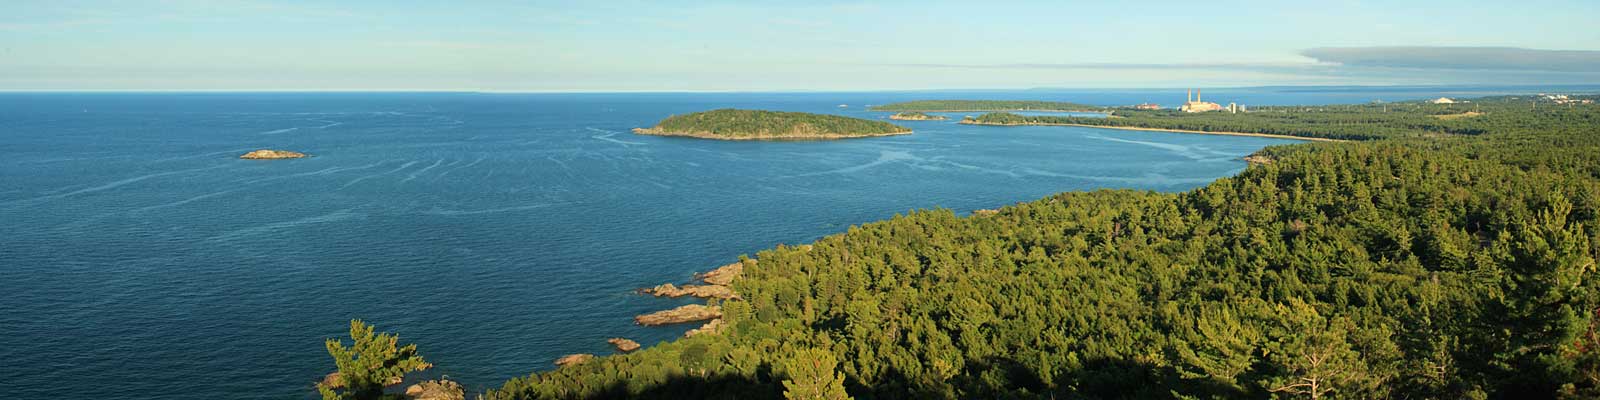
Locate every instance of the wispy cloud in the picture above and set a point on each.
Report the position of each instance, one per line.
(1166, 66)
(1460, 58)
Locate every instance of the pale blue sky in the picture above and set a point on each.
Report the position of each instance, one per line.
(761, 45)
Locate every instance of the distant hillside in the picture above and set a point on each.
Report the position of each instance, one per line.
(985, 105)
(732, 124)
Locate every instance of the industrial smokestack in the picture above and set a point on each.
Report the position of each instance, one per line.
(1188, 96)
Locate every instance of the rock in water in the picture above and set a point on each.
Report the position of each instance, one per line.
(686, 313)
(265, 154)
(436, 390)
(623, 345)
(573, 359)
(701, 291)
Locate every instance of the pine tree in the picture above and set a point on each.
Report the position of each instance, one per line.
(812, 376)
(370, 363)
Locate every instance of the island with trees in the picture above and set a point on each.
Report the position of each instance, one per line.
(1422, 258)
(916, 116)
(987, 105)
(734, 124)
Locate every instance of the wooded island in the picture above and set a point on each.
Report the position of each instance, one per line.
(734, 124)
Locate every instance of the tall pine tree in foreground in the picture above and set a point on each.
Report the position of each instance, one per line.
(369, 364)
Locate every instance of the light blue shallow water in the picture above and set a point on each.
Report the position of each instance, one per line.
(142, 259)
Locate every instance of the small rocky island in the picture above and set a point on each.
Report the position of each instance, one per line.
(916, 116)
(265, 154)
(733, 124)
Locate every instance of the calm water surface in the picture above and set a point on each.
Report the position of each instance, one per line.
(142, 259)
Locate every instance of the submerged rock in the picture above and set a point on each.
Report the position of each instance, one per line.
(623, 345)
(686, 313)
(701, 291)
(713, 327)
(573, 359)
(436, 390)
(265, 154)
(723, 275)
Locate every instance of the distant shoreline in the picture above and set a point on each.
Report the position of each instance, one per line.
(1133, 128)
(1004, 110)
(702, 135)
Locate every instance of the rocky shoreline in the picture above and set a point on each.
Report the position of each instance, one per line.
(715, 287)
(682, 314)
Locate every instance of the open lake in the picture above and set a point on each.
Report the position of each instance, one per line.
(142, 259)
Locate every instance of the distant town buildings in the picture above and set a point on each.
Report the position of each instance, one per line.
(1194, 104)
(1442, 100)
(1564, 99)
(1147, 106)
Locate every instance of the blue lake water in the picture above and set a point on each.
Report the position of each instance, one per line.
(142, 259)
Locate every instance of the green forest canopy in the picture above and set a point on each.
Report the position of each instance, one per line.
(985, 105)
(733, 123)
(1429, 263)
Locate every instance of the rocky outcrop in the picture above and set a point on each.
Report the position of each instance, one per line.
(334, 381)
(985, 212)
(623, 345)
(436, 390)
(713, 327)
(573, 359)
(265, 154)
(1254, 159)
(701, 291)
(686, 313)
(723, 275)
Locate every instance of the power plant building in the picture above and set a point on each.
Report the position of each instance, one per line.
(1193, 103)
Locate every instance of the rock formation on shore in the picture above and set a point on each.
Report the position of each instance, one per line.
(701, 291)
(623, 345)
(573, 359)
(436, 390)
(685, 313)
(712, 327)
(1254, 159)
(265, 154)
(723, 275)
(985, 212)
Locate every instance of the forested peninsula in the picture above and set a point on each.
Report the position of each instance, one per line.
(1427, 258)
(986, 105)
(1345, 122)
(733, 124)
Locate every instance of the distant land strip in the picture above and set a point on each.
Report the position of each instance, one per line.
(987, 105)
(1133, 128)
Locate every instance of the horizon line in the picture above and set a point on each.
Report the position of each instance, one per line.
(645, 91)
